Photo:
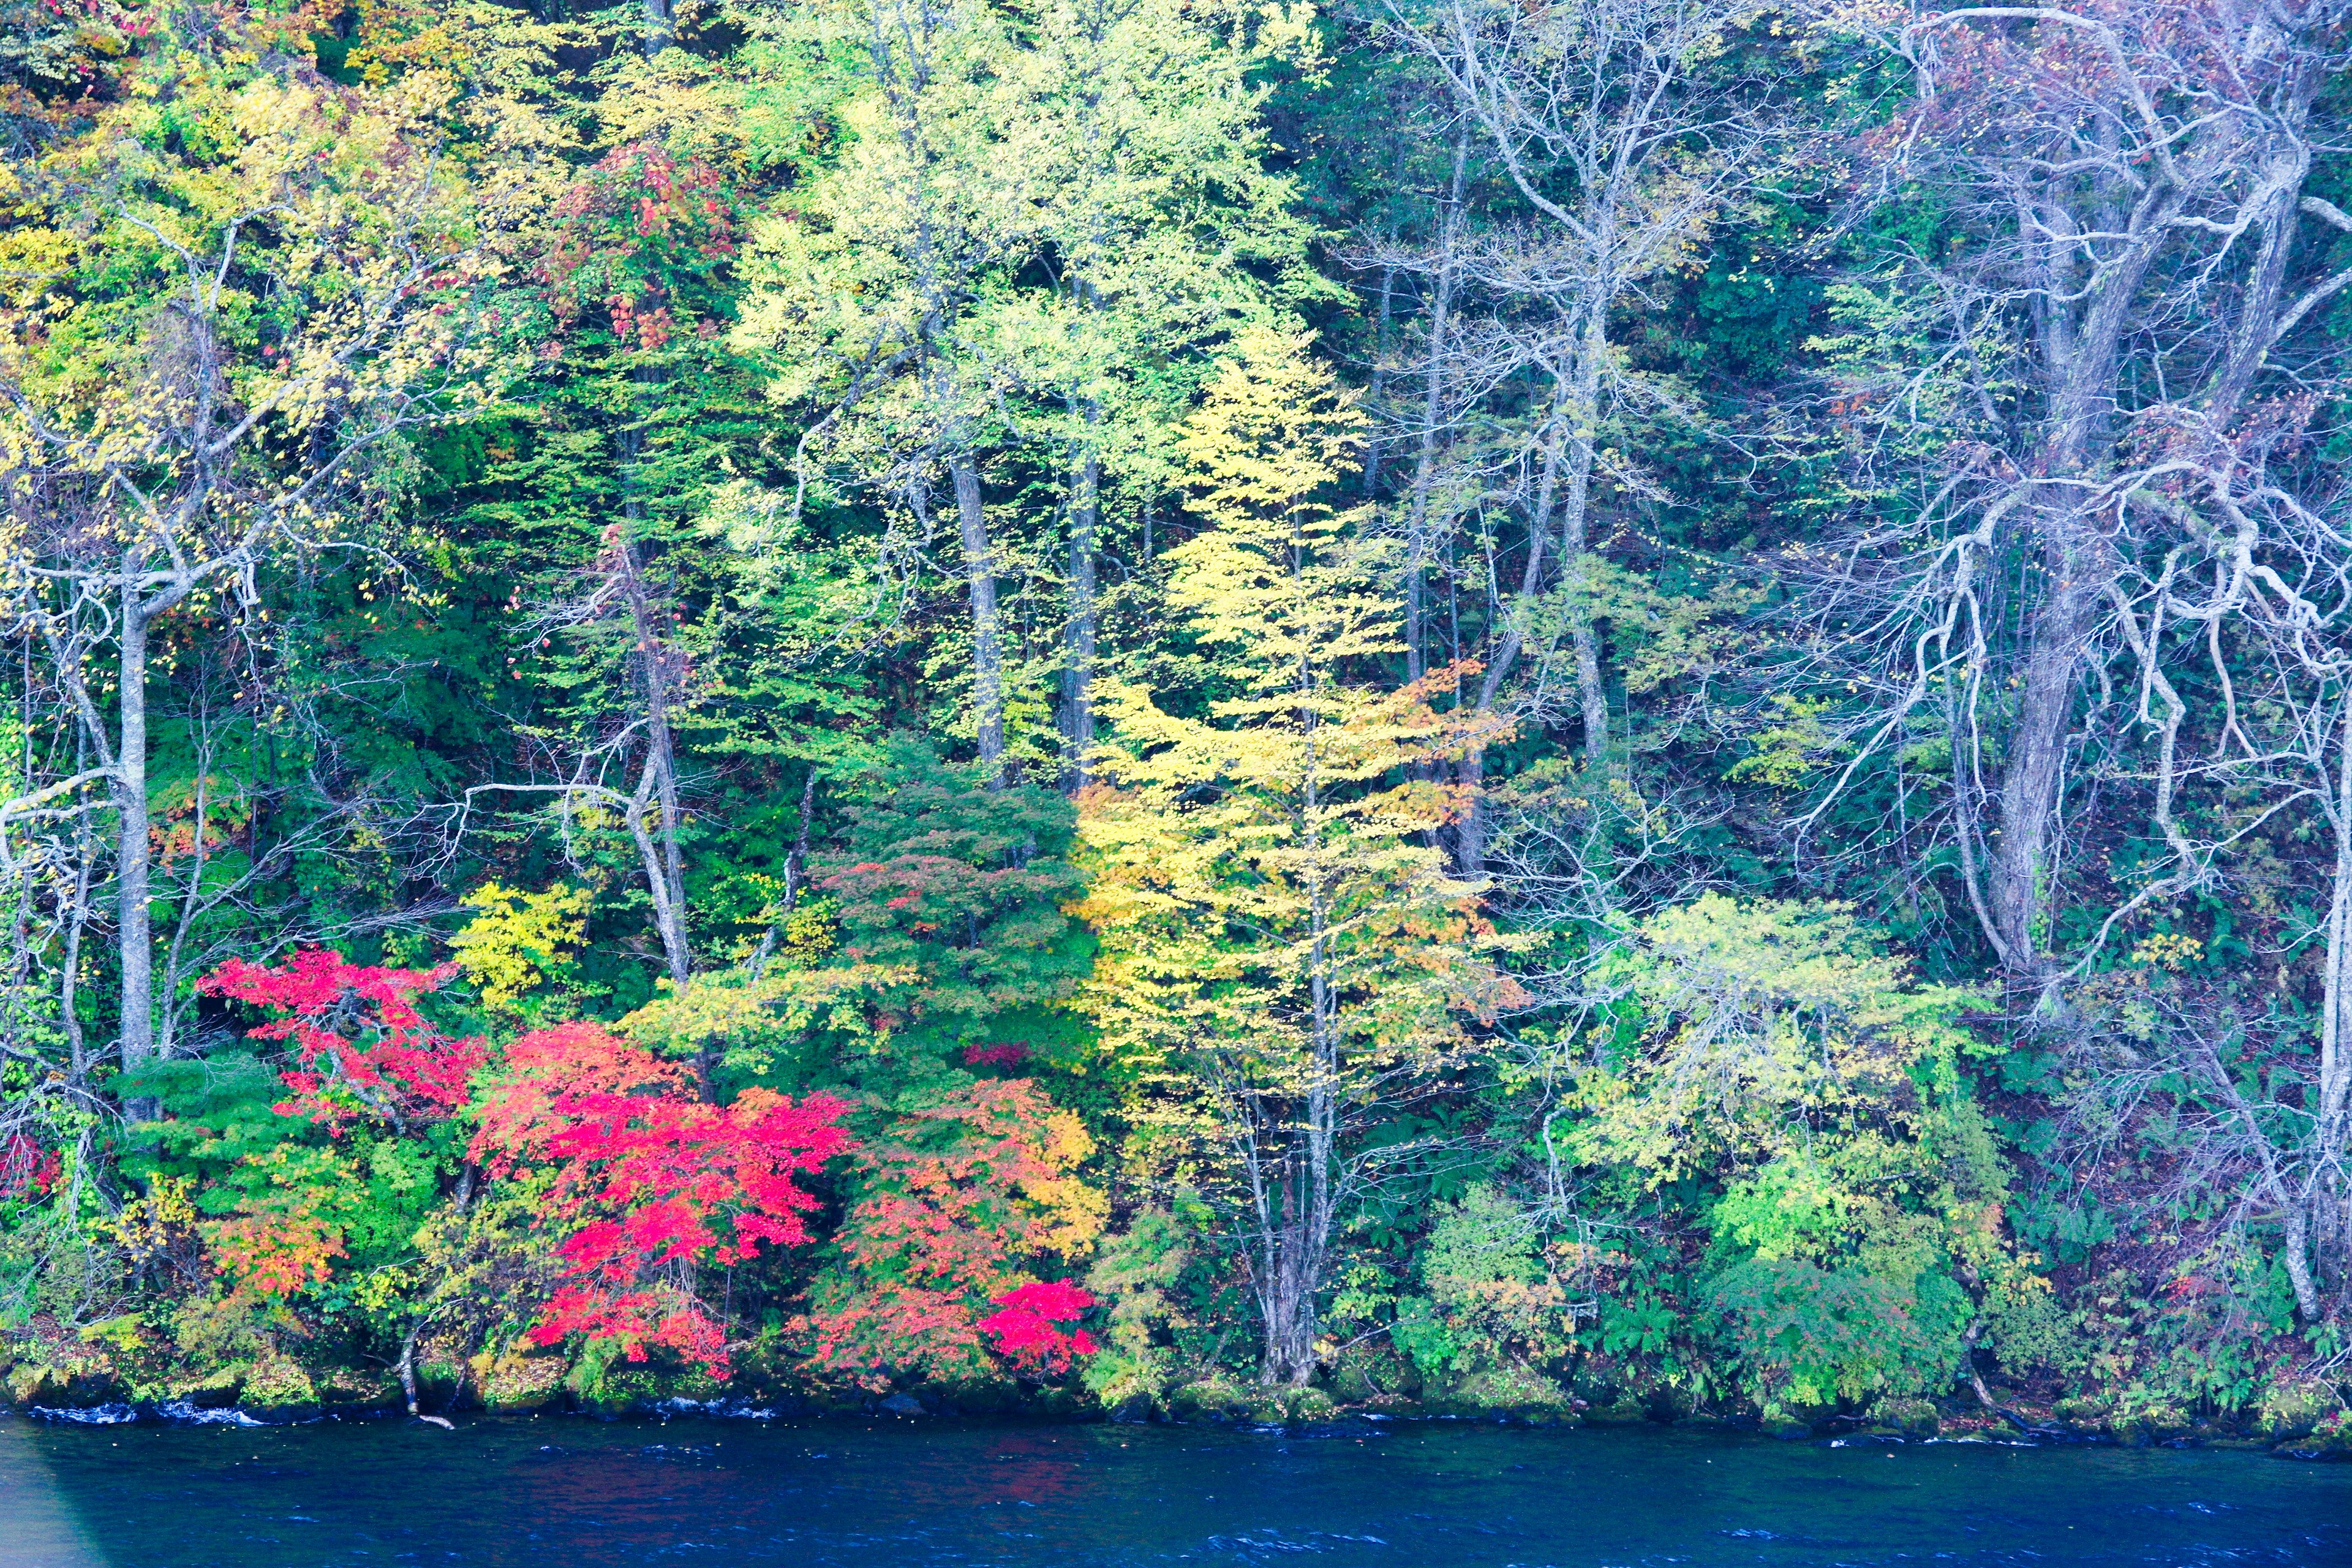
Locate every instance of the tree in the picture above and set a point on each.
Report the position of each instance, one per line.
(866, 287)
(2059, 356)
(1617, 126)
(641, 239)
(360, 1042)
(385, 1086)
(652, 1181)
(957, 1206)
(1770, 1049)
(301, 298)
(1283, 955)
(958, 889)
(1139, 128)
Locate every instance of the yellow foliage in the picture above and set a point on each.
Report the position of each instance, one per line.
(520, 941)
(149, 1226)
(1273, 921)
(2167, 949)
(1789, 750)
(1763, 1027)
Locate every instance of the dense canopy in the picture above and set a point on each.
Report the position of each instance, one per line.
(1629, 706)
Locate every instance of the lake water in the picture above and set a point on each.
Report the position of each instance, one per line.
(559, 1492)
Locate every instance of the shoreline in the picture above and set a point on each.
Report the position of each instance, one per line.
(1837, 1432)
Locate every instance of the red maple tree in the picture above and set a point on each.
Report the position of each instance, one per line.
(1026, 1327)
(957, 1205)
(650, 1182)
(362, 1042)
(27, 1167)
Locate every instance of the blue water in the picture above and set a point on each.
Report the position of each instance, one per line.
(559, 1492)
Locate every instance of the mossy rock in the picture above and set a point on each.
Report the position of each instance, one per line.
(2294, 1409)
(1215, 1399)
(1675, 1403)
(991, 1396)
(2146, 1426)
(2331, 1440)
(1910, 1417)
(133, 1353)
(29, 1382)
(1782, 1417)
(615, 1390)
(514, 1381)
(1055, 1403)
(1511, 1390)
(1628, 1409)
(1266, 1407)
(1210, 1399)
(216, 1388)
(1258, 1407)
(440, 1384)
(1308, 1407)
(77, 1385)
(278, 1389)
(1368, 1372)
(2083, 1412)
(835, 1401)
(695, 1386)
(359, 1391)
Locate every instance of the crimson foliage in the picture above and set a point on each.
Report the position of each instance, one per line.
(1026, 1327)
(361, 1041)
(650, 1182)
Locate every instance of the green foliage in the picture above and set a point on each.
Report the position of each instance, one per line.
(1138, 1272)
(638, 422)
(961, 887)
(1802, 1337)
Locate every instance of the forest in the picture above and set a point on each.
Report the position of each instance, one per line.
(1578, 709)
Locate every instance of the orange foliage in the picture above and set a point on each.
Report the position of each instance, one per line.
(958, 1203)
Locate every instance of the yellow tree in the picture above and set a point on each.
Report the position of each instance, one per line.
(1284, 958)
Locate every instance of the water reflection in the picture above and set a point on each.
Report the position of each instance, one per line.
(37, 1529)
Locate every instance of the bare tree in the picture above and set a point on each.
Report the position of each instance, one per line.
(1626, 143)
(2126, 181)
(652, 670)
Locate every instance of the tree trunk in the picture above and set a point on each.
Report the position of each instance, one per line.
(1425, 467)
(1287, 1299)
(1303, 1237)
(669, 917)
(77, 921)
(653, 660)
(2081, 362)
(1576, 503)
(133, 918)
(1322, 1120)
(2035, 770)
(2332, 1133)
(1078, 671)
(1470, 833)
(987, 653)
(1379, 382)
